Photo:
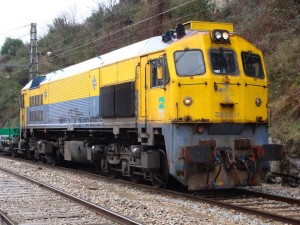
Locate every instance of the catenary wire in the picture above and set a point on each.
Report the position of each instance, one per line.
(176, 7)
(135, 24)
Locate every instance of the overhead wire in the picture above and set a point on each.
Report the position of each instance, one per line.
(147, 28)
(20, 37)
(84, 28)
(135, 24)
(76, 33)
(118, 22)
(1, 32)
(130, 26)
(109, 26)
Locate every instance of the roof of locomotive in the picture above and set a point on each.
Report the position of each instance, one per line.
(140, 48)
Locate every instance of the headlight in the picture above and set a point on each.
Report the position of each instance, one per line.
(258, 102)
(187, 101)
(220, 36)
(225, 35)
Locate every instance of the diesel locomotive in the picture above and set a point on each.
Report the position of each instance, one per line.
(191, 104)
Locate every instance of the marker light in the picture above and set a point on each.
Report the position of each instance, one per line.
(258, 101)
(187, 101)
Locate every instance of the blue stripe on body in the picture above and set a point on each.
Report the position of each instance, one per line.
(75, 111)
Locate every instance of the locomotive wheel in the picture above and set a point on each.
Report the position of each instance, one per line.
(160, 179)
(104, 165)
(36, 155)
(135, 178)
(105, 168)
(12, 150)
(29, 154)
(14, 153)
(293, 182)
(112, 174)
(56, 158)
(98, 166)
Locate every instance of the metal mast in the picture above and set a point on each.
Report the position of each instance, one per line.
(33, 57)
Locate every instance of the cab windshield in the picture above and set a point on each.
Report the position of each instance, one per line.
(189, 62)
(252, 65)
(223, 61)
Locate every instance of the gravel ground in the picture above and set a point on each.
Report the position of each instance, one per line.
(278, 189)
(27, 203)
(148, 208)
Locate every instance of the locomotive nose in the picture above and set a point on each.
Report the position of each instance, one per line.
(226, 98)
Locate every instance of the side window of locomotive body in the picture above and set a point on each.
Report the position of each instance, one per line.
(252, 65)
(22, 104)
(189, 62)
(223, 61)
(159, 72)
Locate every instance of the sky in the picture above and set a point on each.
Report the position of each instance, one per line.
(17, 15)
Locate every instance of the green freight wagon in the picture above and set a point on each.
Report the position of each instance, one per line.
(10, 132)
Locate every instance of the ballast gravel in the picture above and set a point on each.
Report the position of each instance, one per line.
(146, 207)
(28, 204)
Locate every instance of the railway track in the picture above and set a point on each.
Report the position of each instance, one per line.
(48, 207)
(270, 207)
(273, 207)
(276, 208)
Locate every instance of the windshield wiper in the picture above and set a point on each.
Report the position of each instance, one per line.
(248, 54)
(179, 57)
(225, 58)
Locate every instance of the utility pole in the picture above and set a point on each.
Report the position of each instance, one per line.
(33, 57)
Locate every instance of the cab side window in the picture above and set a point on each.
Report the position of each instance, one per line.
(252, 65)
(159, 72)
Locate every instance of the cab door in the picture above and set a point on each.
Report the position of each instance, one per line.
(255, 88)
(154, 77)
(22, 112)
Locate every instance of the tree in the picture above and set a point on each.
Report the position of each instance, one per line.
(11, 46)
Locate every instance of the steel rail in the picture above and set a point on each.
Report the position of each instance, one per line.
(6, 220)
(250, 211)
(270, 196)
(98, 209)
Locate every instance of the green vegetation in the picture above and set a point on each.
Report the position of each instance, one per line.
(11, 46)
(272, 25)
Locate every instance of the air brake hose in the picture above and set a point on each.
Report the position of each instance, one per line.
(220, 168)
(247, 168)
(207, 178)
(255, 168)
(230, 162)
